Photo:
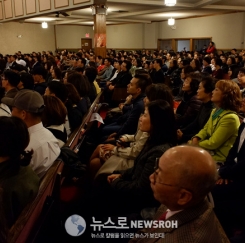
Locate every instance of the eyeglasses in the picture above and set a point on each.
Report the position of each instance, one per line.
(159, 182)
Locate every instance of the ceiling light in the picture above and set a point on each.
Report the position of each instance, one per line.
(170, 2)
(171, 21)
(44, 25)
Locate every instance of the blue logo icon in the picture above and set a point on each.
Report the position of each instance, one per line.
(75, 225)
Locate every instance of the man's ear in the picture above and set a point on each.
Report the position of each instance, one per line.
(23, 115)
(184, 197)
(138, 90)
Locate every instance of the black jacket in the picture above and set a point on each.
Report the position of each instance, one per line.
(135, 181)
(122, 79)
(187, 110)
(158, 77)
(203, 115)
(129, 120)
(40, 87)
(231, 169)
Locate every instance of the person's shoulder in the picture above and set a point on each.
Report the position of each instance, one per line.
(229, 114)
(19, 179)
(161, 147)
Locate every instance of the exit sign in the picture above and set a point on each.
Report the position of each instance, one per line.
(87, 35)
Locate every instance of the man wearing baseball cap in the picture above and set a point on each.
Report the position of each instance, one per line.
(29, 105)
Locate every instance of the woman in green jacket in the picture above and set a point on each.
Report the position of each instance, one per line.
(220, 131)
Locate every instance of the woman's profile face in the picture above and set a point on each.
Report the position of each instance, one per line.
(187, 85)
(65, 78)
(193, 64)
(145, 122)
(217, 95)
(146, 101)
(171, 64)
(201, 94)
(229, 62)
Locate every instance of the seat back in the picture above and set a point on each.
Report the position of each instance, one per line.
(76, 135)
(29, 222)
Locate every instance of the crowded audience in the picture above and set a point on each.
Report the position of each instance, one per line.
(190, 98)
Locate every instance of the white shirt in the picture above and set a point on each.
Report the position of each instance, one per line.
(115, 75)
(4, 110)
(45, 148)
(242, 137)
(59, 128)
(171, 213)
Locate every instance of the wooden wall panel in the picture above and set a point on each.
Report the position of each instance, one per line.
(18, 8)
(30, 6)
(80, 1)
(1, 10)
(60, 3)
(44, 5)
(8, 9)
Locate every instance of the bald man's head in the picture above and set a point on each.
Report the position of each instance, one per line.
(189, 173)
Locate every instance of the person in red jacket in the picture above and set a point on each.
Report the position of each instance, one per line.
(211, 48)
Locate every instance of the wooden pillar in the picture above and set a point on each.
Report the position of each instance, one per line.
(99, 12)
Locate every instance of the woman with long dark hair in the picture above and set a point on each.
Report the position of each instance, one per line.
(130, 190)
(17, 180)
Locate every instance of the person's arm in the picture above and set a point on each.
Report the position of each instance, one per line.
(226, 127)
(133, 151)
(140, 185)
(131, 124)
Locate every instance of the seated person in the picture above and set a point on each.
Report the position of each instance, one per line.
(121, 81)
(206, 65)
(220, 131)
(158, 76)
(189, 106)
(4, 109)
(29, 105)
(123, 157)
(53, 118)
(204, 94)
(60, 91)
(218, 72)
(129, 190)
(128, 122)
(26, 81)
(18, 183)
(10, 81)
(39, 75)
(82, 86)
(228, 192)
(178, 81)
(75, 107)
(107, 73)
(184, 201)
(91, 73)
